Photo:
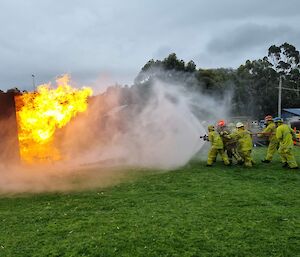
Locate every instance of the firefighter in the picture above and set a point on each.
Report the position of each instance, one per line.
(285, 136)
(270, 133)
(230, 145)
(217, 147)
(245, 143)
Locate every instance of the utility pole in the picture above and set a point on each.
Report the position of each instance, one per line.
(279, 96)
(33, 82)
(280, 88)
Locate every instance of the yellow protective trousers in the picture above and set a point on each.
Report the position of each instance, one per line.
(232, 152)
(212, 155)
(246, 156)
(287, 156)
(272, 148)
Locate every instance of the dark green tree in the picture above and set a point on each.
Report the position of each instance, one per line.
(285, 60)
(190, 67)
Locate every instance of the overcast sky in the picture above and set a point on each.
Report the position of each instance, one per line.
(105, 42)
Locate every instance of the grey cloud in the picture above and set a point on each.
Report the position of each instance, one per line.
(248, 37)
(87, 38)
(248, 41)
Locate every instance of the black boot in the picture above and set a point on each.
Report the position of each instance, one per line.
(240, 162)
(294, 168)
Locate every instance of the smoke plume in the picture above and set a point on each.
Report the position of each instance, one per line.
(156, 124)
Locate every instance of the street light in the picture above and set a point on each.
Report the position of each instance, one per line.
(33, 81)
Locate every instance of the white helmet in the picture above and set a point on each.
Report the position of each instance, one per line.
(239, 125)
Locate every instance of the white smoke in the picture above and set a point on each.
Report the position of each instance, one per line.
(159, 128)
(164, 134)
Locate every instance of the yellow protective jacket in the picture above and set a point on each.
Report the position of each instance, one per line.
(244, 139)
(270, 130)
(285, 134)
(215, 139)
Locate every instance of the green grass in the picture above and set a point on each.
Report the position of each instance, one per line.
(192, 211)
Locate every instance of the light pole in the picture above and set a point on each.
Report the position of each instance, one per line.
(33, 82)
(279, 96)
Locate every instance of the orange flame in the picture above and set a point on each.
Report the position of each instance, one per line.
(41, 113)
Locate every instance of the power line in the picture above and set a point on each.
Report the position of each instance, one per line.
(291, 89)
(280, 88)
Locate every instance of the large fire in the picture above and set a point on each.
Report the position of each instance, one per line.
(41, 113)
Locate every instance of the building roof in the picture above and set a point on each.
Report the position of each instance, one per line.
(295, 111)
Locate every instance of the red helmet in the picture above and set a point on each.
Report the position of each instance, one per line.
(221, 123)
(268, 118)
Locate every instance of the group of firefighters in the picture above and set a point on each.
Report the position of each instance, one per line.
(236, 143)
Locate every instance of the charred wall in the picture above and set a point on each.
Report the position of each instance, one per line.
(9, 147)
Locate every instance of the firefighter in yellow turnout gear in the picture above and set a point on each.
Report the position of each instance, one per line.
(270, 133)
(217, 147)
(230, 145)
(285, 136)
(245, 143)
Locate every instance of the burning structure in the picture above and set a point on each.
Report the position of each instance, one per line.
(28, 121)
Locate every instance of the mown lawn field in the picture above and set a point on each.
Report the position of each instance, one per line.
(192, 211)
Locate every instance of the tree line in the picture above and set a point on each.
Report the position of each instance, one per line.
(253, 85)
